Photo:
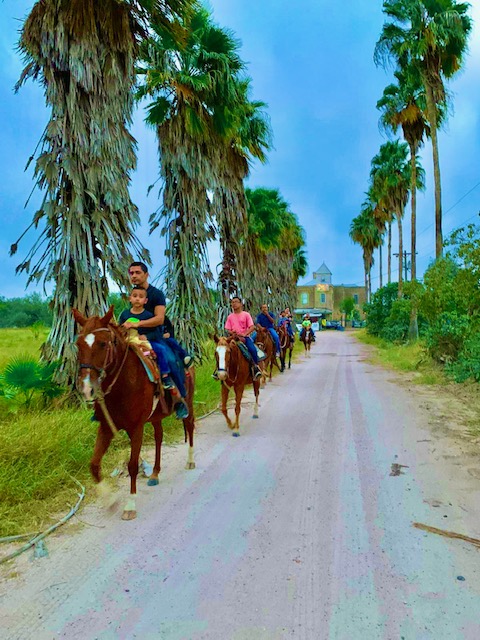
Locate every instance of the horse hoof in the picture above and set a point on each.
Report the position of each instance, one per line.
(152, 482)
(236, 434)
(255, 417)
(190, 465)
(129, 515)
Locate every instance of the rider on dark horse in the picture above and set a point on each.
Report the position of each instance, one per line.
(155, 304)
(240, 325)
(307, 325)
(266, 319)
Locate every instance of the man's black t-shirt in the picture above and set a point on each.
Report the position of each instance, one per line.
(155, 298)
(151, 333)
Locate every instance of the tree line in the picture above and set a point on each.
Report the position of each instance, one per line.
(425, 43)
(96, 61)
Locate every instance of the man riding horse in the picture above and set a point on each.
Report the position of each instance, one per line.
(266, 319)
(155, 304)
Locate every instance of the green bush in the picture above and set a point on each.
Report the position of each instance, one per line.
(27, 377)
(467, 364)
(379, 308)
(24, 312)
(396, 326)
(444, 338)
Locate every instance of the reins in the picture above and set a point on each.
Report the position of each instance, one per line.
(100, 393)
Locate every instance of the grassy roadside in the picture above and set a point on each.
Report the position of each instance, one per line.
(42, 450)
(409, 358)
(459, 401)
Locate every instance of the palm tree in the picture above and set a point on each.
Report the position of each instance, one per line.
(431, 36)
(364, 231)
(191, 87)
(271, 243)
(400, 106)
(84, 55)
(249, 137)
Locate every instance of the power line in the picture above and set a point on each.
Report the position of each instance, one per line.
(453, 207)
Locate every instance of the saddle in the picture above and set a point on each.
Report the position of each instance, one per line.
(148, 362)
(246, 354)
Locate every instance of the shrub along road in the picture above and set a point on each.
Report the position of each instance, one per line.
(300, 528)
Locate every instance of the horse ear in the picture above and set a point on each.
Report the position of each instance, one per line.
(215, 338)
(107, 317)
(78, 317)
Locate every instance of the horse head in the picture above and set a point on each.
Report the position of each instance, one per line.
(222, 356)
(96, 345)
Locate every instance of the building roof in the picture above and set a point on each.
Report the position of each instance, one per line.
(351, 286)
(323, 269)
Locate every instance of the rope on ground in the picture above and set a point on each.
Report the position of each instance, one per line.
(45, 533)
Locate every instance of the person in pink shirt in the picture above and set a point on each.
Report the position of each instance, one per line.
(240, 325)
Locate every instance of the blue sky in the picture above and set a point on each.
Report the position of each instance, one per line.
(312, 62)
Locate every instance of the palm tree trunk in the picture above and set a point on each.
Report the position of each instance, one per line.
(389, 258)
(381, 265)
(432, 118)
(413, 329)
(400, 255)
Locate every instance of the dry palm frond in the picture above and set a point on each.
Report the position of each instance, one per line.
(83, 52)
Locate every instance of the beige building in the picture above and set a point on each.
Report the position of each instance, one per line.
(321, 298)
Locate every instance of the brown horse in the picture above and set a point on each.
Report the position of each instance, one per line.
(265, 341)
(112, 375)
(306, 337)
(234, 371)
(286, 344)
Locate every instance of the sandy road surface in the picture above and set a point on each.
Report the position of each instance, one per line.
(294, 530)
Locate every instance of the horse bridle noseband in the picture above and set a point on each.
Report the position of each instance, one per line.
(108, 358)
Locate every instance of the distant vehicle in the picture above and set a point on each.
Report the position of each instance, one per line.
(358, 324)
(333, 324)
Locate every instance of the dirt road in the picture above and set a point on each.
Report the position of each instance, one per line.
(294, 530)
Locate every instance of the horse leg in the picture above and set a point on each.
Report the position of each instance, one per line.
(189, 425)
(104, 437)
(158, 431)
(256, 391)
(290, 358)
(130, 509)
(238, 408)
(225, 391)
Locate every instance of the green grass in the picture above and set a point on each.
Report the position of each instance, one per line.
(42, 450)
(17, 342)
(411, 358)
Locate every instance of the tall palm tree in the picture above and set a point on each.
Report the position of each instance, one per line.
(390, 176)
(271, 242)
(248, 138)
(189, 86)
(432, 36)
(401, 107)
(364, 231)
(84, 53)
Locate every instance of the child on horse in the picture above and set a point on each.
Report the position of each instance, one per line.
(155, 305)
(307, 324)
(240, 325)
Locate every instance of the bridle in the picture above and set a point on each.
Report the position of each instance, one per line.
(100, 394)
(109, 358)
(229, 347)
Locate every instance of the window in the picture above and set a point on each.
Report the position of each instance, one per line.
(304, 298)
(323, 298)
(355, 298)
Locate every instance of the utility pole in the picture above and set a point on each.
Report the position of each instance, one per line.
(406, 266)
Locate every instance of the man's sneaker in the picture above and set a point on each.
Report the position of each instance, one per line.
(181, 410)
(168, 383)
(215, 375)
(278, 354)
(187, 361)
(256, 373)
